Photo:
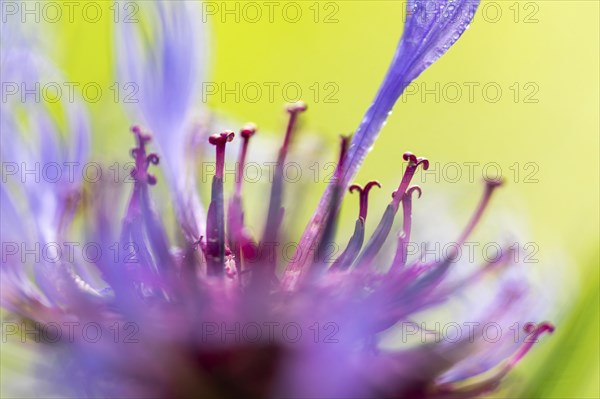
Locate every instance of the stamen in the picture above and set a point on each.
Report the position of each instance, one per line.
(263, 276)
(273, 217)
(332, 214)
(440, 269)
(215, 221)
(534, 332)
(481, 387)
(247, 131)
(382, 230)
(142, 161)
(404, 238)
(411, 168)
(490, 186)
(239, 239)
(140, 225)
(293, 109)
(364, 196)
(220, 140)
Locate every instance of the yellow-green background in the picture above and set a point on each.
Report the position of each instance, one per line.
(559, 53)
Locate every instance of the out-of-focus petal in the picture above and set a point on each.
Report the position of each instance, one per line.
(162, 57)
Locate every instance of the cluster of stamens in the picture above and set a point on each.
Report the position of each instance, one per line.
(225, 251)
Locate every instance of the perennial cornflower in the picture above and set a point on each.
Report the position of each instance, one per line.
(215, 313)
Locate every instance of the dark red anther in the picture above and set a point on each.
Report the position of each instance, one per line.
(151, 179)
(413, 160)
(364, 196)
(534, 331)
(411, 168)
(220, 140)
(152, 159)
(248, 130)
(412, 190)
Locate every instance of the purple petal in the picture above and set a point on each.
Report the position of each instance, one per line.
(165, 72)
(431, 28)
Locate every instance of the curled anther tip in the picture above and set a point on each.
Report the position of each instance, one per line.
(355, 187)
(415, 161)
(135, 129)
(411, 190)
(545, 326)
(371, 184)
(221, 138)
(298, 106)
(153, 158)
(365, 189)
(423, 161)
(151, 179)
(538, 329)
(248, 130)
(409, 156)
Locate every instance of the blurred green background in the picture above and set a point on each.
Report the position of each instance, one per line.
(527, 74)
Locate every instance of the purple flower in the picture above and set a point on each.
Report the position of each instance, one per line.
(212, 314)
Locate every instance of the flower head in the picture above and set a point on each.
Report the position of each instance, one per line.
(215, 316)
